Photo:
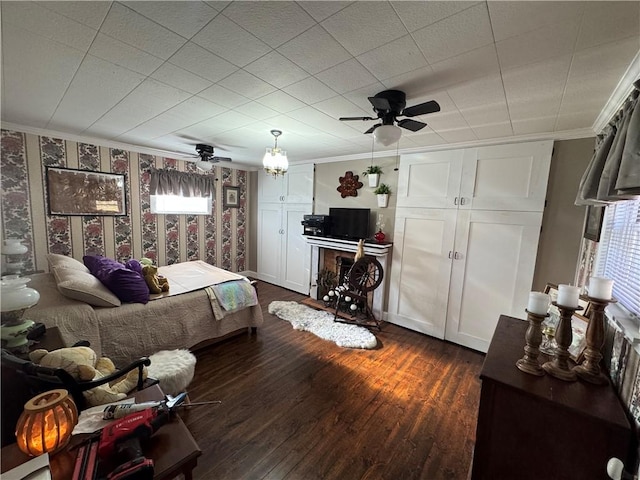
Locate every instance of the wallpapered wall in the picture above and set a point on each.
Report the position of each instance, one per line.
(218, 239)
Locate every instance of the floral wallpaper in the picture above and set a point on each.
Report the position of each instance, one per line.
(218, 239)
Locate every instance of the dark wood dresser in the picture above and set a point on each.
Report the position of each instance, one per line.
(539, 427)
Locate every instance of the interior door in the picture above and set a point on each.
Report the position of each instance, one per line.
(420, 271)
(298, 187)
(492, 272)
(269, 242)
(270, 188)
(296, 252)
(430, 179)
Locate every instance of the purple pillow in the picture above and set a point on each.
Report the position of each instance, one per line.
(134, 265)
(127, 285)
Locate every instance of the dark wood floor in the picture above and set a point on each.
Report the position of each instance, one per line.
(298, 407)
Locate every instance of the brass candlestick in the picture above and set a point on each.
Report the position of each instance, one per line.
(589, 369)
(559, 366)
(529, 363)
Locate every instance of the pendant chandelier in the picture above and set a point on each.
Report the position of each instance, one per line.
(275, 160)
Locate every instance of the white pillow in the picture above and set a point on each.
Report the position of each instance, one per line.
(62, 261)
(84, 287)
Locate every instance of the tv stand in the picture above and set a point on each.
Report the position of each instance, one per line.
(379, 250)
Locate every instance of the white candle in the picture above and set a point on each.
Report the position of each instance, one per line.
(568, 296)
(538, 303)
(600, 287)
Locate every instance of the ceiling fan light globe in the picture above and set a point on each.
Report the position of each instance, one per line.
(202, 165)
(387, 134)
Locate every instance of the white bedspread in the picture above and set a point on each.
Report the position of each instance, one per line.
(190, 276)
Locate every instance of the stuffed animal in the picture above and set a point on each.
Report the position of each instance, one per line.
(157, 283)
(82, 363)
(146, 261)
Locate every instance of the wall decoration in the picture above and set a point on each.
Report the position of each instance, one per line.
(349, 185)
(231, 197)
(82, 192)
(593, 225)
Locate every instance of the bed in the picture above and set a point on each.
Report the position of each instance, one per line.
(188, 317)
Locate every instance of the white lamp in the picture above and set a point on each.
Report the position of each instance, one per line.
(15, 298)
(13, 250)
(387, 134)
(275, 160)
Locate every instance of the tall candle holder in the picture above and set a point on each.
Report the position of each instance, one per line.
(589, 369)
(559, 366)
(529, 363)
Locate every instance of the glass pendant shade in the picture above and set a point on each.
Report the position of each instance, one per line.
(387, 134)
(275, 160)
(46, 423)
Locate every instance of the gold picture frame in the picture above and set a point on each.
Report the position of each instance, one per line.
(82, 192)
(230, 197)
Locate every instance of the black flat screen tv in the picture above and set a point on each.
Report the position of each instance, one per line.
(350, 223)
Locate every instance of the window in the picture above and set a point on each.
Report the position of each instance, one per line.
(177, 204)
(619, 252)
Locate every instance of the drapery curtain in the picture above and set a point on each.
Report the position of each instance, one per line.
(614, 171)
(173, 182)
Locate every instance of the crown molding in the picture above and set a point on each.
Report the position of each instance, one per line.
(619, 95)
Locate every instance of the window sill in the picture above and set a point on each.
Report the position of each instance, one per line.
(627, 322)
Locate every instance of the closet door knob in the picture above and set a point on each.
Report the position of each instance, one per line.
(450, 253)
(455, 201)
(456, 256)
(461, 200)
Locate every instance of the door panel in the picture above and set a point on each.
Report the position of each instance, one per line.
(269, 242)
(492, 272)
(298, 187)
(296, 253)
(270, 188)
(420, 269)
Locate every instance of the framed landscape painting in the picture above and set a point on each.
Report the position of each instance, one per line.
(82, 192)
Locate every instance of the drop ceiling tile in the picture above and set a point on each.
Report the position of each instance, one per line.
(574, 121)
(417, 82)
(197, 60)
(493, 130)
(341, 107)
(537, 81)
(178, 77)
(132, 28)
(347, 76)
(90, 14)
(395, 58)
(314, 50)
(478, 92)
(608, 22)
(256, 110)
(445, 120)
(359, 97)
(589, 91)
(224, 122)
(537, 45)
(516, 18)
(231, 42)
(223, 96)
(321, 10)
(46, 23)
(477, 63)
(320, 121)
(416, 15)
(274, 24)
(118, 53)
(276, 70)
(457, 135)
(486, 114)
(310, 90)
(80, 105)
(363, 26)
(454, 35)
(423, 138)
(183, 18)
(534, 125)
(246, 84)
(281, 102)
(36, 72)
(610, 57)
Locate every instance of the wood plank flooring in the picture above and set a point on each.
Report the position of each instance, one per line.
(298, 407)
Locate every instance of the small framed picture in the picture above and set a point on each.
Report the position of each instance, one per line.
(230, 197)
(579, 326)
(593, 225)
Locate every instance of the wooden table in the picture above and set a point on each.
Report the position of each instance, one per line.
(172, 448)
(532, 428)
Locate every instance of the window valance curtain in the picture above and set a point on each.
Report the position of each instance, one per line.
(173, 182)
(614, 171)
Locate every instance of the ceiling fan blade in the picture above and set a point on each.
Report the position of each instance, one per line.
(412, 125)
(373, 128)
(421, 109)
(356, 118)
(380, 103)
(220, 159)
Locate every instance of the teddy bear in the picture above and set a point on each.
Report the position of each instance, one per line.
(83, 364)
(156, 283)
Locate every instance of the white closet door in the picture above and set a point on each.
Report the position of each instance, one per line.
(492, 272)
(270, 188)
(430, 179)
(269, 241)
(298, 187)
(419, 284)
(296, 252)
(506, 177)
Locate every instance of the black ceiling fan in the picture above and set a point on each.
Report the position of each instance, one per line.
(207, 158)
(390, 104)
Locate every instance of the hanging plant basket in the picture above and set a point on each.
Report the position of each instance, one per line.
(373, 179)
(383, 200)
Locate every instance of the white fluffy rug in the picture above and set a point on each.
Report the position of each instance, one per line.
(321, 324)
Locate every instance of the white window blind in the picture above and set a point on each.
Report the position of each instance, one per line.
(619, 252)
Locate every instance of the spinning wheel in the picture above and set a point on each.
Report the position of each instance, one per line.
(364, 276)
